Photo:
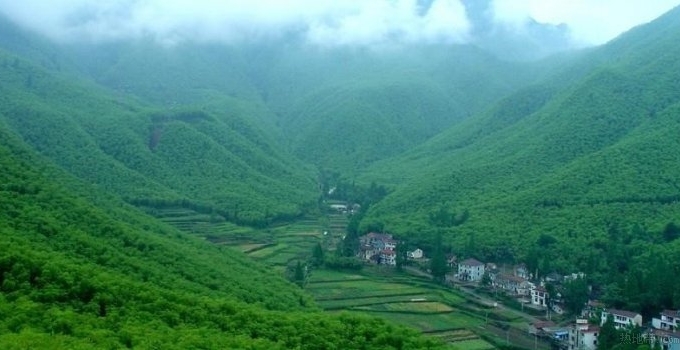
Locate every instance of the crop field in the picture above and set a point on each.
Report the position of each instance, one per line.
(278, 246)
(405, 300)
(425, 307)
(377, 291)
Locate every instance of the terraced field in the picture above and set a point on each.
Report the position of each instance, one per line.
(402, 299)
(278, 246)
(377, 290)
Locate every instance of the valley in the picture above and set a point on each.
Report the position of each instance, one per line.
(178, 192)
(461, 318)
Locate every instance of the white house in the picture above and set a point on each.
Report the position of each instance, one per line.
(583, 336)
(669, 320)
(666, 339)
(416, 254)
(378, 247)
(539, 296)
(510, 283)
(470, 270)
(524, 288)
(390, 244)
(622, 318)
(388, 257)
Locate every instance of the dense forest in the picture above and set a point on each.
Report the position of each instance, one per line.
(567, 163)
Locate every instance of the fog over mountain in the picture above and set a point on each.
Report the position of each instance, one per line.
(184, 175)
(497, 24)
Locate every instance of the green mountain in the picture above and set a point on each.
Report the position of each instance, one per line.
(388, 102)
(80, 269)
(570, 157)
(208, 156)
(566, 164)
(336, 108)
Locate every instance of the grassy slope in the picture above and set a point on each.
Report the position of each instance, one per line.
(554, 159)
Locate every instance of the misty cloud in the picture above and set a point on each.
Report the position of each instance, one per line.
(591, 22)
(324, 22)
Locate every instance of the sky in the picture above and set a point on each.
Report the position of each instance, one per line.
(321, 22)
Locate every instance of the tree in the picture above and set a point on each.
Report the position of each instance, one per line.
(401, 255)
(438, 265)
(470, 245)
(349, 246)
(318, 255)
(299, 276)
(575, 295)
(608, 335)
(486, 279)
(671, 232)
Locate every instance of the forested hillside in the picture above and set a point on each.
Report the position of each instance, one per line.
(569, 165)
(80, 269)
(566, 164)
(335, 108)
(159, 155)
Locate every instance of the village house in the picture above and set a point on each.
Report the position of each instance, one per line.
(470, 270)
(554, 278)
(668, 321)
(451, 261)
(622, 319)
(375, 239)
(378, 247)
(366, 252)
(522, 271)
(538, 327)
(524, 288)
(667, 340)
(388, 257)
(592, 309)
(341, 208)
(539, 296)
(511, 284)
(415, 254)
(583, 336)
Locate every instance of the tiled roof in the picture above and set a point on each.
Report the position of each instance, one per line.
(543, 324)
(591, 329)
(671, 313)
(471, 262)
(511, 278)
(624, 313)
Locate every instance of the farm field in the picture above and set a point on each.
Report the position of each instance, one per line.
(278, 246)
(438, 311)
(406, 300)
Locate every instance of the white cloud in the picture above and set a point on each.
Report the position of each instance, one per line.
(592, 22)
(388, 21)
(327, 22)
(321, 21)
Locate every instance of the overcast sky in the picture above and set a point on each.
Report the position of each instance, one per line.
(325, 22)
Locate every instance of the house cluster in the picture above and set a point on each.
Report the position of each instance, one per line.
(381, 248)
(582, 335)
(515, 282)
